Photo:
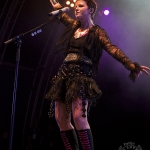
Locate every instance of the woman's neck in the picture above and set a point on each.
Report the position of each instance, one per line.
(86, 24)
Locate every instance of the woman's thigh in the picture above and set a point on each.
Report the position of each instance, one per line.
(60, 115)
(77, 112)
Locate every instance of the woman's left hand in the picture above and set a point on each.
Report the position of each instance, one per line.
(144, 69)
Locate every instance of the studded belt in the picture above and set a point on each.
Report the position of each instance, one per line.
(73, 57)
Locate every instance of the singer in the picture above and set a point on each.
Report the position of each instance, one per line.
(73, 89)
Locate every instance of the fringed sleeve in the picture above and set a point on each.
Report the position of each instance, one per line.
(118, 54)
(65, 19)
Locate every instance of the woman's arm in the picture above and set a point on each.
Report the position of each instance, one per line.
(118, 54)
(115, 51)
(64, 18)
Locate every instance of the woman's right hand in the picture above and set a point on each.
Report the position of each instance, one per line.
(55, 6)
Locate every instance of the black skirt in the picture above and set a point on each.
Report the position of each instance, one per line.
(71, 82)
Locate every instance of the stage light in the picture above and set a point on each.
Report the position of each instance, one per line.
(71, 5)
(32, 34)
(36, 32)
(68, 2)
(106, 12)
(39, 31)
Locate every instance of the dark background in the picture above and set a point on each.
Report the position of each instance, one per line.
(122, 114)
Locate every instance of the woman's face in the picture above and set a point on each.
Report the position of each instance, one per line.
(81, 10)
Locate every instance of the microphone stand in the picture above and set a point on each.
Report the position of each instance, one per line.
(18, 40)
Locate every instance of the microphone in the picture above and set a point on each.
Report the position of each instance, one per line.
(53, 13)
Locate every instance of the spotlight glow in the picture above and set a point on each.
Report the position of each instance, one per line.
(71, 5)
(68, 2)
(74, 1)
(106, 12)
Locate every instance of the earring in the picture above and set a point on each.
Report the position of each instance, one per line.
(91, 10)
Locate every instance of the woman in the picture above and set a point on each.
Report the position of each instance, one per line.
(73, 88)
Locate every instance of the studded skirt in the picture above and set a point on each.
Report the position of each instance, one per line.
(71, 82)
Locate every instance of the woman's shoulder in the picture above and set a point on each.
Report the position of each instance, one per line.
(98, 27)
(99, 30)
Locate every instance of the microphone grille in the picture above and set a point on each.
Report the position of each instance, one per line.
(67, 9)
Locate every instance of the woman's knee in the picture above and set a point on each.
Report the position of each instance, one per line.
(81, 122)
(61, 119)
(60, 114)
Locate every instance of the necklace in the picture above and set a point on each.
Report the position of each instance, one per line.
(79, 33)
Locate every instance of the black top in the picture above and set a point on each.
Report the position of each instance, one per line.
(76, 46)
